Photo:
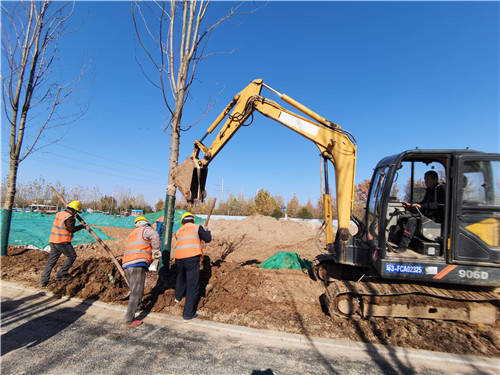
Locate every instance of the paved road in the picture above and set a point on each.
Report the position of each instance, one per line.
(45, 335)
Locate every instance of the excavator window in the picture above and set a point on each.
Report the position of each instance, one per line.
(481, 183)
(374, 202)
(409, 189)
(409, 186)
(477, 223)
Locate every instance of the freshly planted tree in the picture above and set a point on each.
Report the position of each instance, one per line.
(173, 36)
(32, 96)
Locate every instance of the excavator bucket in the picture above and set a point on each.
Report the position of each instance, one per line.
(190, 179)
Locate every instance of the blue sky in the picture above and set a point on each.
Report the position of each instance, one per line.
(397, 75)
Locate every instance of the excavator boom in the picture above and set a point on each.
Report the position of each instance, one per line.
(334, 144)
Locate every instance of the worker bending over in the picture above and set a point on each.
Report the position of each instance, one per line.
(60, 242)
(142, 245)
(188, 256)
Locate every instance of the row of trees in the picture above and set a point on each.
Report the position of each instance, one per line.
(38, 192)
(263, 203)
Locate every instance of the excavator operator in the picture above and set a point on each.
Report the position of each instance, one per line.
(432, 206)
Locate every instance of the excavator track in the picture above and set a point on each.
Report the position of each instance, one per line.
(408, 300)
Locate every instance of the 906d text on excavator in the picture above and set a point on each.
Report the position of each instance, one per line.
(450, 268)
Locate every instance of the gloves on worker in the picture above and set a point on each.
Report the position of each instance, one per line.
(156, 254)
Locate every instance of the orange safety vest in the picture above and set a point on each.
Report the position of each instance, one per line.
(160, 220)
(188, 242)
(59, 233)
(137, 249)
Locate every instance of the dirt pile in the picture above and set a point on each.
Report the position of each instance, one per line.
(236, 291)
(257, 238)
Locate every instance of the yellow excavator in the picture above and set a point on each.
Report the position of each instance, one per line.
(451, 269)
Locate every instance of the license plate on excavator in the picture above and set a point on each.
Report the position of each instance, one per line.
(190, 179)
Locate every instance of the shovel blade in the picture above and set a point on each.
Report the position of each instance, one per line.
(190, 179)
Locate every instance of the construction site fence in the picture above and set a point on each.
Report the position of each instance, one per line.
(32, 229)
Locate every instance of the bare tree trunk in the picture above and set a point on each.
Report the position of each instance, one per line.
(171, 189)
(179, 50)
(9, 203)
(11, 184)
(30, 34)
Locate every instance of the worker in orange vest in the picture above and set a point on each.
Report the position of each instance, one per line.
(60, 242)
(188, 256)
(141, 247)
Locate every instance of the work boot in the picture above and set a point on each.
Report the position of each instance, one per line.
(403, 246)
(132, 324)
(400, 249)
(192, 318)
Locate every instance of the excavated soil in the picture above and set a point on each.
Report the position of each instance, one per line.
(236, 291)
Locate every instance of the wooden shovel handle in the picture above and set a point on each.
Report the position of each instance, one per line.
(108, 250)
(210, 213)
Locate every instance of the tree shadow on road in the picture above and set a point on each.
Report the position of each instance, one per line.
(324, 361)
(9, 305)
(40, 329)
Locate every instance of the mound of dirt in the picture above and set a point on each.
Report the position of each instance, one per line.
(257, 238)
(236, 291)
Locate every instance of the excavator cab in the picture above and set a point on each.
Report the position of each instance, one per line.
(464, 236)
(451, 267)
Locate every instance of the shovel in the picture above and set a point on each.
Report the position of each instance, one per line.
(108, 250)
(205, 224)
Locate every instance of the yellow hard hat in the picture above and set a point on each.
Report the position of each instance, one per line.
(139, 218)
(76, 205)
(186, 215)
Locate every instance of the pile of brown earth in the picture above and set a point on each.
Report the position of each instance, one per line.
(236, 291)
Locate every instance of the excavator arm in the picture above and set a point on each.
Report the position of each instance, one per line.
(334, 143)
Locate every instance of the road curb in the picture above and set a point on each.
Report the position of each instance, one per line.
(277, 337)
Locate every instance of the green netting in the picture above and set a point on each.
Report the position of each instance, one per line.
(286, 259)
(105, 220)
(33, 228)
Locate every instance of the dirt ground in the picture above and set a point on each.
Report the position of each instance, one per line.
(236, 291)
